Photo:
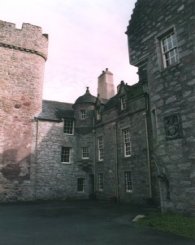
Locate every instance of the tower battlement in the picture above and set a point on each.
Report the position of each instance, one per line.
(27, 39)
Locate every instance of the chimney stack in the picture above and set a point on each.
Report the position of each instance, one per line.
(106, 85)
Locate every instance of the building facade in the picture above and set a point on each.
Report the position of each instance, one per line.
(161, 37)
(135, 145)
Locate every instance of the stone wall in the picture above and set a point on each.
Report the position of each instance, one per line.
(172, 94)
(115, 164)
(22, 57)
(52, 178)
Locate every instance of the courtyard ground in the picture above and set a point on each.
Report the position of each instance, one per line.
(78, 223)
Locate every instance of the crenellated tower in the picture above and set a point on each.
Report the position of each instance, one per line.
(23, 53)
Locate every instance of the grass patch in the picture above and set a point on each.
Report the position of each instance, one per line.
(174, 223)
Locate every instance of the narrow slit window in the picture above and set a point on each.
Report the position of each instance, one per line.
(128, 181)
(100, 182)
(100, 148)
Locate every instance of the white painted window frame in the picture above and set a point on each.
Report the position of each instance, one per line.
(100, 148)
(100, 182)
(169, 49)
(85, 152)
(127, 142)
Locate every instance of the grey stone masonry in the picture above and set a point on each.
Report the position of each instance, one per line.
(161, 37)
(115, 164)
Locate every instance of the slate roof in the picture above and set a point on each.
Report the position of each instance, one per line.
(131, 93)
(55, 111)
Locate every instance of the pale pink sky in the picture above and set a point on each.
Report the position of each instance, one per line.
(85, 37)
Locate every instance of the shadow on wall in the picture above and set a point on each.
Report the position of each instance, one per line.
(17, 171)
(18, 174)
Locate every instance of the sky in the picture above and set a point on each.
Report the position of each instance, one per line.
(85, 38)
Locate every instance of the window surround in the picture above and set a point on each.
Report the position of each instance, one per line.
(128, 181)
(68, 126)
(126, 142)
(66, 155)
(85, 152)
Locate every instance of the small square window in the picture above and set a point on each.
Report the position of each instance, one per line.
(169, 49)
(80, 184)
(68, 126)
(65, 154)
(83, 114)
(85, 152)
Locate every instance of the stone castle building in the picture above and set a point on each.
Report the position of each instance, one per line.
(135, 145)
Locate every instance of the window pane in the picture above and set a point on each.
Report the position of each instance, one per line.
(83, 114)
(128, 181)
(85, 152)
(100, 148)
(123, 103)
(169, 49)
(126, 142)
(100, 182)
(68, 126)
(65, 154)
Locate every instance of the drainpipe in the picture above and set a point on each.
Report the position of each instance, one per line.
(159, 184)
(94, 157)
(148, 148)
(116, 164)
(35, 163)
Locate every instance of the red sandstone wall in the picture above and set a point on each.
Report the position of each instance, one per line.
(22, 57)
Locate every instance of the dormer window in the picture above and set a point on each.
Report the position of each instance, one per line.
(83, 114)
(123, 103)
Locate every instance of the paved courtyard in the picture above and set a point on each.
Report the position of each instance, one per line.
(77, 223)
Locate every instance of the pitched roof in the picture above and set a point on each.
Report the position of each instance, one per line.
(131, 92)
(55, 111)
